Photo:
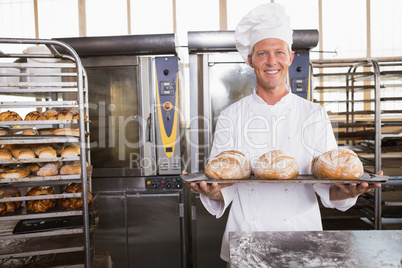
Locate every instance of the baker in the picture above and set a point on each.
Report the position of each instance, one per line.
(268, 119)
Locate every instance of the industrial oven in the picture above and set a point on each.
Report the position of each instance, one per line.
(219, 77)
(135, 130)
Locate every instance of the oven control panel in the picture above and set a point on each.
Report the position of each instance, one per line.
(164, 183)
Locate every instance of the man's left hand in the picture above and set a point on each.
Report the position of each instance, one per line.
(351, 190)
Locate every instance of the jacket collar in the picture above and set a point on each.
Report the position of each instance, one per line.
(285, 100)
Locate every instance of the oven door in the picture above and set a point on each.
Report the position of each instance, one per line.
(121, 120)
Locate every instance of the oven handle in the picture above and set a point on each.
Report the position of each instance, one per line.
(149, 126)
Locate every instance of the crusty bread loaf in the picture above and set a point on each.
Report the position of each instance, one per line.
(50, 169)
(34, 115)
(7, 192)
(65, 115)
(30, 131)
(47, 153)
(10, 116)
(5, 154)
(40, 205)
(229, 165)
(32, 167)
(276, 164)
(67, 132)
(15, 173)
(77, 115)
(71, 150)
(339, 163)
(74, 203)
(51, 114)
(71, 169)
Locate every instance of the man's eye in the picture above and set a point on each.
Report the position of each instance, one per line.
(280, 53)
(261, 54)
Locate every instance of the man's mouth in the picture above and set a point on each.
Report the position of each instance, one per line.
(272, 72)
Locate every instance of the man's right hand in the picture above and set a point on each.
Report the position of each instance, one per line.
(212, 190)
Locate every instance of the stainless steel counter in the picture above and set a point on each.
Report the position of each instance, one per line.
(316, 249)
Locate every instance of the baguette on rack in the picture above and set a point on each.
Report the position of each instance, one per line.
(229, 165)
(15, 173)
(67, 131)
(5, 154)
(339, 163)
(276, 164)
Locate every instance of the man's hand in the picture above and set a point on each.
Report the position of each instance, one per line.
(212, 190)
(351, 190)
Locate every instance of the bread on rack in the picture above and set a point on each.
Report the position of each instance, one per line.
(33, 167)
(65, 115)
(9, 192)
(70, 150)
(67, 132)
(5, 154)
(229, 165)
(10, 116)
(41, 147)
(71, 169)
(15, 173)
(77, 115)
(74, 202)
(339, 163)
(34, 115)
(50, 114)
(23, 153)
(46, 131)
(5, 132)
(43, 204)
(30, 131)
(49, 169)
(276, 164)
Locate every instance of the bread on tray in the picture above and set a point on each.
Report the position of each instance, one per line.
(229, 165)
(276, 164)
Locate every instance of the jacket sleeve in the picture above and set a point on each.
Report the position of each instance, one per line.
(217, 207)
(323, 191)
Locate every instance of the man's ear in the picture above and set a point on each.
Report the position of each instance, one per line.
(292, 56)
(250, 60)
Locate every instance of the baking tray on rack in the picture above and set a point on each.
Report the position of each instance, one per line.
(200, 176)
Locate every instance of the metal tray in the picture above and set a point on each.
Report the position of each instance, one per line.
(200, 176)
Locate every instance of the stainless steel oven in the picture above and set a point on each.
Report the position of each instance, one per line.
(135, 130)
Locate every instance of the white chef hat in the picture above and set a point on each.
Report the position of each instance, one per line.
(265, 21)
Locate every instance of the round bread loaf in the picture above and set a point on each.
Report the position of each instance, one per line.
(34, 115)
(74, 203)
(51, 114)
(15, 173)
(32, 167)
(50, 169)
(10, 116)
(77, 115)
(229, 165)
(276, 164)
(40, 205)
(339, 164)
(5, 154)
(7, 192)
(65, 114)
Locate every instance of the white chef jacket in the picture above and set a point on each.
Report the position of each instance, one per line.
(253, 127)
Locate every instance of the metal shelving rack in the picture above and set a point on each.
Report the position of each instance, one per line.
(72, 85)
(364, 129)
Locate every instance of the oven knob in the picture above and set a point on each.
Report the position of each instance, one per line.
(169, 185)
(155, 184)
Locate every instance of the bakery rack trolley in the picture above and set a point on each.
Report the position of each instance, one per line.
(19, 70)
